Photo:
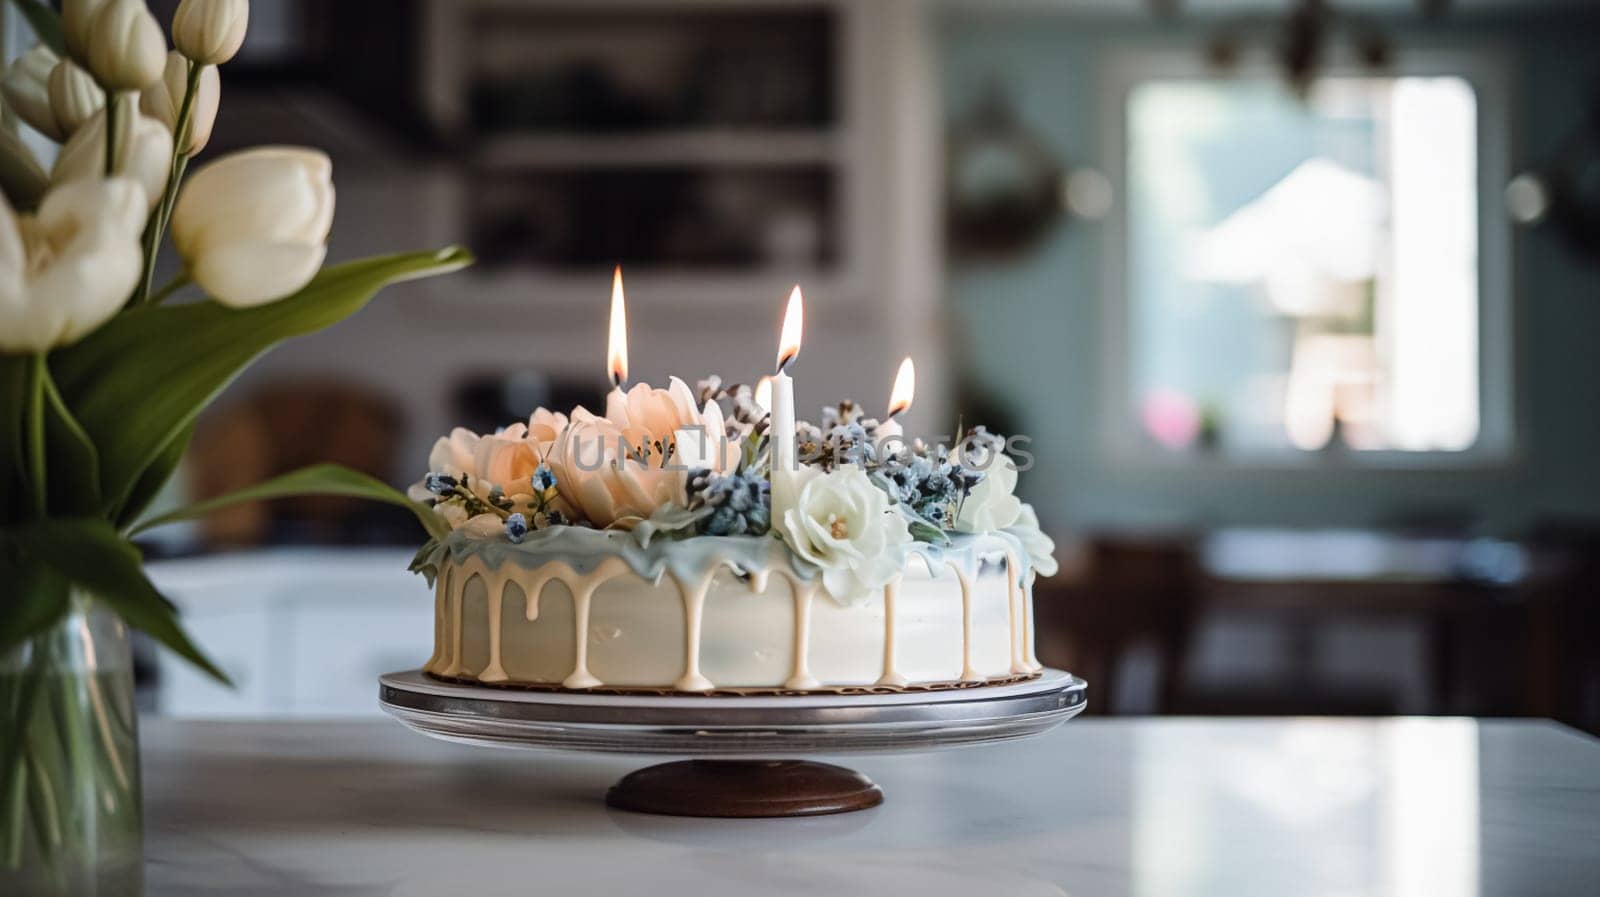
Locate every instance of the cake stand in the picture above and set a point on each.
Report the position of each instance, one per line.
(740, 745)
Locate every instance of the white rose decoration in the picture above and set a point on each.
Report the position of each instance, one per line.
(253, 226)
(66, 270)
(845, 525)
(991, 505)
(1041, 548)
(144, 151)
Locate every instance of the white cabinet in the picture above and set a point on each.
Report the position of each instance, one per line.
(302, 631)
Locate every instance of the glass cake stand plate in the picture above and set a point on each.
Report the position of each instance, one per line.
(740, 743)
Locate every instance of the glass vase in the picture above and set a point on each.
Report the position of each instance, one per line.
(70, 817)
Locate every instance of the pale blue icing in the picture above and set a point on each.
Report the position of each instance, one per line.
(689, 559)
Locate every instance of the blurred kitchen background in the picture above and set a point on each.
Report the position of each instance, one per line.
(1298, 301)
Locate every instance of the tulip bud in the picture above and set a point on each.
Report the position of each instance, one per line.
(210, 31)
(74, 97)
(77, 20)
(252, 227)
(127, 50)
(163, 101)
(26, 88)
(144, 150)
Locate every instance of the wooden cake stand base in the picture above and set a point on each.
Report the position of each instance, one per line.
(744, 789)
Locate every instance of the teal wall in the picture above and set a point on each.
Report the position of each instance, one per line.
(1030, 329)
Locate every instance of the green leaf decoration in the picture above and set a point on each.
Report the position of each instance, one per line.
(320, 479)
(170, 361)
(154, 478)
(74, 463)
(45, 22)
(422, 562)
(91, 555)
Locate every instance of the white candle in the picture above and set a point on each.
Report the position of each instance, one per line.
(900, 396)
(781, 433)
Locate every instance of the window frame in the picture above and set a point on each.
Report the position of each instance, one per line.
(1486, 69)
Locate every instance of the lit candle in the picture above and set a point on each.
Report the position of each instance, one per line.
(764, 394)
(784, 467)
(617, 343)
(905, 387)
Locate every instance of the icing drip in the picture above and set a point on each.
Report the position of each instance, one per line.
(694, 605)
(968, 674)
(1014, 618)
(801, 677)
(458, 596)
(1027, 625)
(891, 676)
(439, 594)
(494, 672)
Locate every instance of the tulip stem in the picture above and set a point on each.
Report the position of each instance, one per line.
(162, 216)
(35, 433)
(173, 285)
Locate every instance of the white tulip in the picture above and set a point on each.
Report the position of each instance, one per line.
(22, 179)
(74, 96)
(845, 525)
(77, 20)
(26, 88)
(144, 150)
(253, 226)
(68, 269)
(210, 31)
(163, 101)
(127, 50)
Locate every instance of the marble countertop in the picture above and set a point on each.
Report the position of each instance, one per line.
(1400, 807)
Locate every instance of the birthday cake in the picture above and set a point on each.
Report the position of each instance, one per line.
(692, 540)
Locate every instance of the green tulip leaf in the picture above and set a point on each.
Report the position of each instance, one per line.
(155, 477)
(74, 464)
(137, 382)
(320, 479)
(91, 555)
(45, 22)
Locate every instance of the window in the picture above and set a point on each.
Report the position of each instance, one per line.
(1303, 274)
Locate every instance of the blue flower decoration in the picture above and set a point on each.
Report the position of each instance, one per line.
(543, 479)
(439, 483)
(516, 528)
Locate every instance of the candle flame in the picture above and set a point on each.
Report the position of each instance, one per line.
(789, 341)
(905, 388)
(764, 394)
(617, 345)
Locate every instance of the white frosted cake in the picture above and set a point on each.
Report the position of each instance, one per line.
(652, 549)
(592, 609)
